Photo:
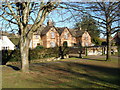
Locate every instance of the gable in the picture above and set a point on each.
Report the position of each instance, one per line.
(66, 30)
(60, 30)
(6, 43)
(52, 31)
(86, 36)
(46, 30)
(117, 35)
(15, 41)
(116, 38)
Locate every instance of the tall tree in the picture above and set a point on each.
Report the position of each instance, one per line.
(108, 15)
(90, 25)
(22, 14)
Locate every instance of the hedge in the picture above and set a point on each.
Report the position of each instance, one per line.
(14, 55)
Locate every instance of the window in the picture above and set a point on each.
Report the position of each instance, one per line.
(52, 35)
(36, 36)
(52, 44)
(86, 44)
(86, 38)
(38, 44)
(66, 36)
(72, 38)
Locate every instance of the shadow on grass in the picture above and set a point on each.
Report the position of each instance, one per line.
(72, 70)
(106, 71)
(87, 58)
(93, 59)
(14, 67)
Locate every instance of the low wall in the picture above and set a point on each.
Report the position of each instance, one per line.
(100, 50)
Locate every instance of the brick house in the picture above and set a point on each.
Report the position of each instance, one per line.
(52, 36)
(116, 38)
(35, 41)
(66, 36)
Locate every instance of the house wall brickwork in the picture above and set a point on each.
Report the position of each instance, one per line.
(35, 41)
(66, 36)
(86, 39)
(51, 37)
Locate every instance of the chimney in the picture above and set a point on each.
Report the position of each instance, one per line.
(50, 23)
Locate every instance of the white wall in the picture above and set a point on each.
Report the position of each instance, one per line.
(5, 42)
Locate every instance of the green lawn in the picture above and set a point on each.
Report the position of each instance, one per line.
(67, 73)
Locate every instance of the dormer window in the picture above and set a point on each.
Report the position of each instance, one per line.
(52, 35)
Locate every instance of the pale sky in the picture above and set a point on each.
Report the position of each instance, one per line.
(56, 16)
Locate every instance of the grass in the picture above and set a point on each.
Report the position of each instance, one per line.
(67, 73)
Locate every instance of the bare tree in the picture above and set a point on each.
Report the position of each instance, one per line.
(28, 16)
(106, 13)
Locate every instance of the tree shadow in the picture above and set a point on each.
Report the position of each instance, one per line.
(93, 59)
(105, 70)
(86, 58)
(14, 67)
(6, 57)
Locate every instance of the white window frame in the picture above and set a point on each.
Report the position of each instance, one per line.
(52, 34)
(52, 44)
(66, 35)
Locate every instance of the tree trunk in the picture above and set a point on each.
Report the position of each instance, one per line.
(80, 54)
(86, 51)
(24, 48)
(118, 46)
(61, 54)
(108, 55)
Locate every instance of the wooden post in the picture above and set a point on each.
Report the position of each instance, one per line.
(103, 50)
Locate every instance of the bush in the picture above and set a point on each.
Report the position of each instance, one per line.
(10, 55)
(39, 47)
(14, 55)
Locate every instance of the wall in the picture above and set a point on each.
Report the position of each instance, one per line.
(70, 40)
(36, 39)
(5, 43)
(47, 39)
(86, 39)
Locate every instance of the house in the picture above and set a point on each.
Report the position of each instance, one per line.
(84, 38)
(116, 38)
(66, 36)
(35, 41)
(51, 36)
(6, 44)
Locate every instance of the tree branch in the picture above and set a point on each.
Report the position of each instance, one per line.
(9, 20)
